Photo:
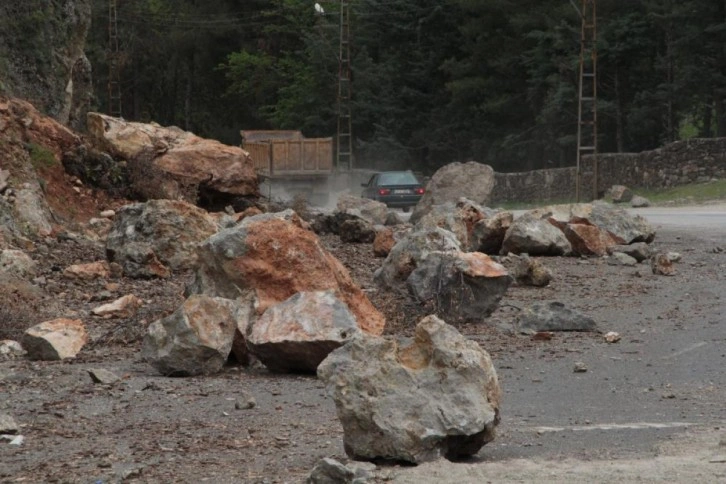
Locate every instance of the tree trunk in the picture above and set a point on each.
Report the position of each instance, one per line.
(619, 122)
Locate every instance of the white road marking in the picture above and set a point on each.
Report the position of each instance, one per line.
(694, 346)
(614, 426)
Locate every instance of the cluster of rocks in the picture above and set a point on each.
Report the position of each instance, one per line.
(623, 194)
(265, 289)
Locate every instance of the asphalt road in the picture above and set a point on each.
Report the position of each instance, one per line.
(711, 217)
(662, 384)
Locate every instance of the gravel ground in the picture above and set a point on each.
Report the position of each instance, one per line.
(667, 370)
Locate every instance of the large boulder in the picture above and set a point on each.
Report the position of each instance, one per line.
(370, 210)
(181, 155)
(276, 256)
(623, 227)
(57, 339)
(459, 218)
(488, 233)
(620, 194)
(463, 286)
(415, 401)
(471, 180)
(297, 334)
(533, 234)
(194, 340)
(587, 239)
(410, 251)
(150, 239)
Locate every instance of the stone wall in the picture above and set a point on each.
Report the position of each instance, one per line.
(679, 163)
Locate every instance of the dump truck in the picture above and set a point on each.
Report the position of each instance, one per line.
(290, 165)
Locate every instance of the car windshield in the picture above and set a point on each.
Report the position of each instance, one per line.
(397, 178)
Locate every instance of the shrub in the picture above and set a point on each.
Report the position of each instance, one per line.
(40, 156)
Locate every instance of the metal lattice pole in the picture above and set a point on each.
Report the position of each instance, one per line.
(587, 96)
(345, 123)
(114, 67)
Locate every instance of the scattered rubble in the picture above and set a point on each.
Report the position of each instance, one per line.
(331, 471)
(8, 424)
(612, 337)
(123, 307)
(88, 271)
(104, 377)
(640, 251)
(621, 259)
(662, 265)
(553, 316)
(10, 350)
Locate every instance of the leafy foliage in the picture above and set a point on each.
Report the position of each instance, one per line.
(433, 81)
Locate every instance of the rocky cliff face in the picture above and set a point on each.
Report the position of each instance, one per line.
(42, 58)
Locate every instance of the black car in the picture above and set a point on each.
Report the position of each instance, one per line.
(394, 188)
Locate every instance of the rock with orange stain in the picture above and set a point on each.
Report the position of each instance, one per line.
(88, 271)
(463, 286)
(297, 334)
(123, 307)
(414, 400)
(587, 239)
(276, 255)
(181, 155)
(383, 242)
(57, 339)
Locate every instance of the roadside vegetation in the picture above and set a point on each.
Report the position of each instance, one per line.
(686, 194)
(681, 195)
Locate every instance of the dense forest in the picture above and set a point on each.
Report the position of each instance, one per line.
(433, 81)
